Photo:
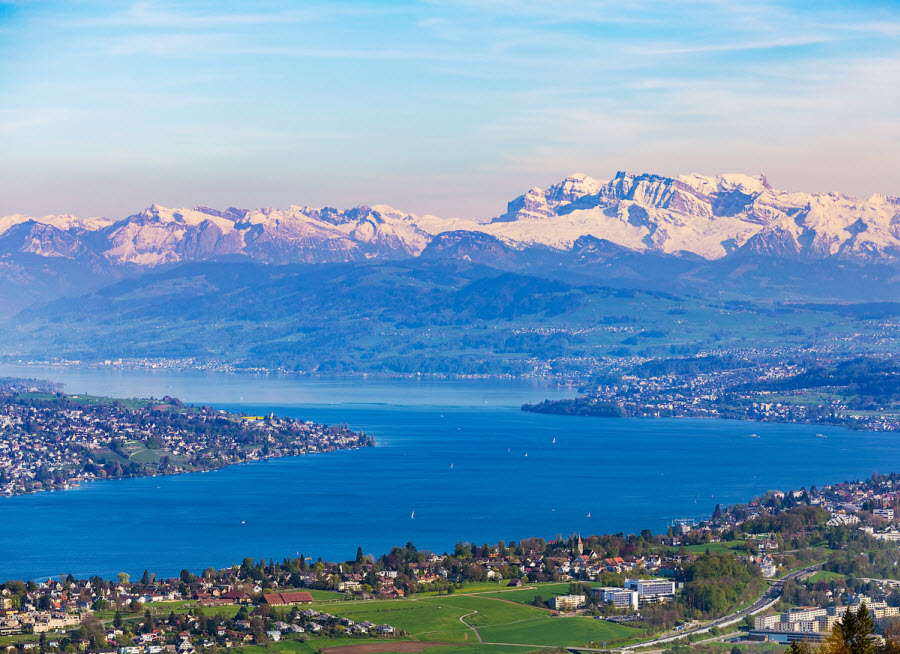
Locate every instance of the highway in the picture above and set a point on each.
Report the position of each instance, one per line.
(766, 600)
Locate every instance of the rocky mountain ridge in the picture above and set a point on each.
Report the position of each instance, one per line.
(689, 216)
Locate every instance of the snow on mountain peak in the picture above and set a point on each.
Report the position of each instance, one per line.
(707, 215)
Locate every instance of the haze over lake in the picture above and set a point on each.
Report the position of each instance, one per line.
(459, 454)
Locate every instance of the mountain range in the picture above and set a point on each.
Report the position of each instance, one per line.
(635, 265)
(689, 216)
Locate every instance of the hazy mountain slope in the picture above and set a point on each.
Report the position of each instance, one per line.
(40, 262)
(418, 315)
(745, 274)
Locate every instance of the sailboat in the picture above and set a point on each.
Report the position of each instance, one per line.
(451, 466)
(589, 514)
(412, 515)
(554, 440)
(526, 453)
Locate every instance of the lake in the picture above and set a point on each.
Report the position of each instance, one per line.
(455, 460)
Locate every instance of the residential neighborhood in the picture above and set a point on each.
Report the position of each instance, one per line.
(49, 440)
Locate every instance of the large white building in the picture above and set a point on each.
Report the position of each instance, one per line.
(650, 589)
(619, 597)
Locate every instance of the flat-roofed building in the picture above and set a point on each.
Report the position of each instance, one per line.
(651, 588)
(568, 602)
(618, 597)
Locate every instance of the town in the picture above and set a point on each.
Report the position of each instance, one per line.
(49, 440)
(860, 394)
(797, 561)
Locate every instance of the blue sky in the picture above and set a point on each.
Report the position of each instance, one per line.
(446, 107)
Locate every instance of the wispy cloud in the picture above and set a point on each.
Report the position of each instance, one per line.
(160, 15)
(747, 45)
(380, 91)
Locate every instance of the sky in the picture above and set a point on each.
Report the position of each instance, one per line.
(448, 107)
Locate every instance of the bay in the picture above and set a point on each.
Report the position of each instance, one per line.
(455, 460)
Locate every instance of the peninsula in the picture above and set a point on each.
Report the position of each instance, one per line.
(51, 440)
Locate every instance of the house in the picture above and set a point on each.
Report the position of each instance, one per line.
(286, 599)
(237, 597)
(274, 635)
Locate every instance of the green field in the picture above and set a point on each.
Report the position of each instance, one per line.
(323, 595)
(426, 619)
(479, 648)
(283, 647)
(571, 631)
(491, 611)
(498, 620)
(315, 645)
(482, 586)
(526, 595)
(825, 575)
(716, 547)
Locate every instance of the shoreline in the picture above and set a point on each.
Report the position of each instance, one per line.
(57, 441)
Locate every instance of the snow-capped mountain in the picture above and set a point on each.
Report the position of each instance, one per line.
(708, 216)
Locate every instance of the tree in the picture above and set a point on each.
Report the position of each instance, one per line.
(92, 626)
(360, 557)
(123, 578)
(118, 621)
(145, 578)
(149, 625)
(835, 644)
(854, 634)
(860, 638)
(891, 638)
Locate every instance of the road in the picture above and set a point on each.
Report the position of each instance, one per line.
(766, 600)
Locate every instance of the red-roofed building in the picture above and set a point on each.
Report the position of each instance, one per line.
(287, 599)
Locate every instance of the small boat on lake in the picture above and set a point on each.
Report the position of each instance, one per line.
(752, 436)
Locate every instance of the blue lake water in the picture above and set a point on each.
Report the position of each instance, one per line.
(452, 452)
